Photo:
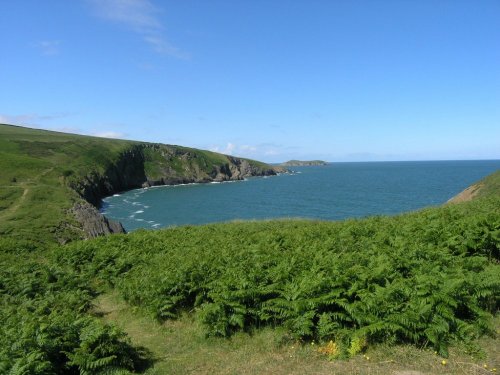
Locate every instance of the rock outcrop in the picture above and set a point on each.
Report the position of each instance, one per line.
(93, 223)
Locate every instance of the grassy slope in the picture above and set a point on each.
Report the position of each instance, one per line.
(490, 185)
(37, 164)
(33, 162)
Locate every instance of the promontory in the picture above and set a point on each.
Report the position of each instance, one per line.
(303, 163)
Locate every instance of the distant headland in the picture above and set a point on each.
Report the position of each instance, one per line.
(302, 163)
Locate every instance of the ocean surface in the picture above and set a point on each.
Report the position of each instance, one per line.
(333, 192)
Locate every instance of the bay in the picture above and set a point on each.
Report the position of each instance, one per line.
(333, 192)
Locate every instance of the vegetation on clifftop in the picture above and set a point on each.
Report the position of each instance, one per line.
(490, 185)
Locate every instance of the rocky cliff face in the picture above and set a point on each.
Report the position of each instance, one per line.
(93, 223)
(144, 165)
(242, 168)
(194, 170)
(126, 173)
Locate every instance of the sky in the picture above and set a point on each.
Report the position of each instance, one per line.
(337, 80)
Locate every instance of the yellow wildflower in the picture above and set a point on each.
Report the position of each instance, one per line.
(330, 349)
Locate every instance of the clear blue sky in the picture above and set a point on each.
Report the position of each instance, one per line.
(266, 79)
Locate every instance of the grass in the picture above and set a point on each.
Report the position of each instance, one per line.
(180, 347)
(8, 196)
(490, 185)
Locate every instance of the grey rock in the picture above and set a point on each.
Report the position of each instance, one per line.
(93, 223)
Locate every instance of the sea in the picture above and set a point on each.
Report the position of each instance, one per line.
(335, 191)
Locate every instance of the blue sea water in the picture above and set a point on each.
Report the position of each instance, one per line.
(332, 192)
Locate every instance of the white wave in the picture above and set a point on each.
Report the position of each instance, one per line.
(155, 225)
(139, 219)
(191, 183)
(139, 212)
(131, 216)
(116, 195)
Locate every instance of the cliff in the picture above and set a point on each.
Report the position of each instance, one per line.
(144, 165)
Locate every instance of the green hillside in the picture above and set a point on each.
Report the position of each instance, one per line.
(35, 164)
(490, 185)
(45, 173)
(418, 291)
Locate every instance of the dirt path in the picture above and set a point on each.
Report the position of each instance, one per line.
(26, 189)
(14, 207)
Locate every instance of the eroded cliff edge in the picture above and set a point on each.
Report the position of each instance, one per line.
(466, 195)
(490, 185)
(144, 165)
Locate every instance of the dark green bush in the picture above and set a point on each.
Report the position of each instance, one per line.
(45, 321)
